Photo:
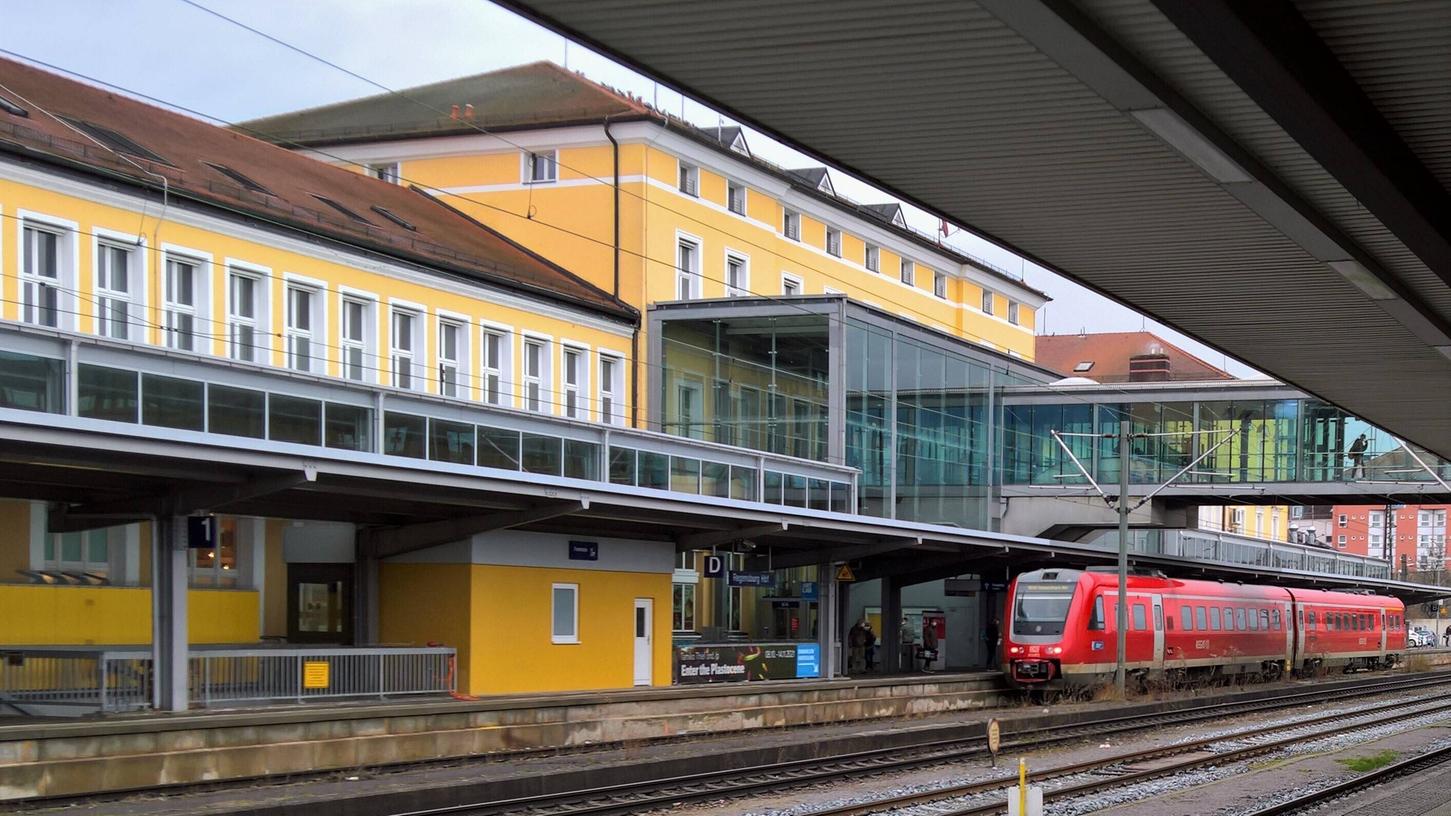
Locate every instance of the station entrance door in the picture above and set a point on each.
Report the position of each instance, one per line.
(319, 603)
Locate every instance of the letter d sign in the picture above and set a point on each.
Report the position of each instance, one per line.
(714, 566)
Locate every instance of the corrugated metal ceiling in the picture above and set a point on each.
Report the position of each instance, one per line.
(946, 105)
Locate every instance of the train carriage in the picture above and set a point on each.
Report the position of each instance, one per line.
(1061, 629)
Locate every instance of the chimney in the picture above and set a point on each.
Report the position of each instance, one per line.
(1152, 367)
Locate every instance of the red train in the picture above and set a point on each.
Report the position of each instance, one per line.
(1060, 629)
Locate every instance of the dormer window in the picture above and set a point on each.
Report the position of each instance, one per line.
(1083, 366)
(689, 179)
(387, 171)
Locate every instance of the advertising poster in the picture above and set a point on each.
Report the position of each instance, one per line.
(736, 662)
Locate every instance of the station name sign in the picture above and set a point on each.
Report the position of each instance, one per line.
(750, 579)
(584, 551)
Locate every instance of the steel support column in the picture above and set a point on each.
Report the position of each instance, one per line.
(890, 636)
(169, 613)
(828, 619)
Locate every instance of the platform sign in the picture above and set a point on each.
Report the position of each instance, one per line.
(316, 674)
(844, 573)
(742, 578)
(809, 591)
(715, 566)
(994, 739)
(584, 551)
(808, 660)
(201, 532)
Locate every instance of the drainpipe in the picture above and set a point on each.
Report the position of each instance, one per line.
(634, 333)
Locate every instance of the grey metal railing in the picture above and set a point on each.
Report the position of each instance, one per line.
(54, 681)
(1227, 548)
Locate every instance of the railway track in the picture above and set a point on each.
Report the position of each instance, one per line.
(639, 796)
(1313, 800)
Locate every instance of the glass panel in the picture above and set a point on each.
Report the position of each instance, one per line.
(622, 466)
(581, 459)
(403, 435)
(498, 448)
(236, 411)
(654, 470)
(840, 497)
(98, 549)
(294, 419)
(774, 482)
(349, 427)
(819, 494)
(743, 483)
(320, 607)
(70, 547)
(30, 383)
(795, 490)
(542, 454)
(451, 442)
(684, 474)
(172, 403)
(107, 393)
(564, 612)
(715, 479)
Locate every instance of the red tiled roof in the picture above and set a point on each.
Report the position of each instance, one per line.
(1110, 353)
(293, 185)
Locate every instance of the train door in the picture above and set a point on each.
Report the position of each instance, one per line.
(1158, 630)
(1383, 643)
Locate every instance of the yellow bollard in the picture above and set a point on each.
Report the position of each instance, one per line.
(1022, 786)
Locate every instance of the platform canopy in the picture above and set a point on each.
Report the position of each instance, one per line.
(1269, 177)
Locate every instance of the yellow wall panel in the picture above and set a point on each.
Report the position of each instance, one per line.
(222, 616)
(428, 603)
(14, 538)
(38, 615)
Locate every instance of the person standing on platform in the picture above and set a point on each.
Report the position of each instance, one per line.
(856, 643)
(1448, 634)
(871, 646)
(908, 644)
(990, 641)
(929, 643)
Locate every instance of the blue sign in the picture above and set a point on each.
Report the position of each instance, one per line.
(808, 660)
(201, 532)
(714, 566)
(584, 551)
(750, 579)
(808, 591)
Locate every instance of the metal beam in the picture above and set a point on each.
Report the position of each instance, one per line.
(1277, 59)
(398, 540)
(182, 502)
(851, 553)
(704, 541)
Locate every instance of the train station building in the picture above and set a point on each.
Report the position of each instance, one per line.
(495, 414)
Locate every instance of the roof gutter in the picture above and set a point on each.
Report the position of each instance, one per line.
(615, 246)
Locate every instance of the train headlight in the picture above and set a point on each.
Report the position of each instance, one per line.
(1055, 650)
(1015, 650)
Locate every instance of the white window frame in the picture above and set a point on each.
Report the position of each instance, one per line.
(611, 388)
(907, 272)
(540, 400)
(789, 282)
(732, 188)
(872, 258)
(315, 335)
(833, 241)
(696, 388)
(130, 301)
(528, 160)
(939, 284)
(362, 348)
(687, 281)
(198, 312)
(687, 178)
(573, 636)
(987, 302)
(791, 223)
(411, 356)
(742, 286)
(67, 262)
(1013, 316)
(115, 551)
(259, 350)
(496, 382)
(573, 395)
(385, 171)
(453, 374)
(1342, 521)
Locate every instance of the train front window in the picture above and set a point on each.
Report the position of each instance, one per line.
(1042, 608)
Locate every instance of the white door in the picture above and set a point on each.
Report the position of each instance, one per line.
(644, 624)
(1158, 631)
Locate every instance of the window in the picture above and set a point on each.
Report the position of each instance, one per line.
(687, 410)
(88, 552)
(1140, 620)
(1200, 619)
(1340, 542)
(1096, 620)
(939, 285)
(687, 267)
(342, 208)
(908, 272)
(833, 241)
(1186, 618)
(737, 281)
(535, 371)
(386, 171)
(41, 280)
(355, 336)
(790, 286)
(1341, 522)
(244, 316)
(451, 352)
(1214, 618)
(218, 566)
(114, 279)
(496, 361)
(987, 301)
(302, 304)
(182, 280)
(1228, 619)
(873, 259)
(395, 218)
(612, 371)
(1239, 622)
(1013, 312)
(574, 374)
(736, 197)
(682, 607)
(565, 617)
(689, 179)
(238, 176)
(791, 224)
(405, 344)
(540, 167)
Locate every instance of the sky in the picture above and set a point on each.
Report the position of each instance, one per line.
(174, 51)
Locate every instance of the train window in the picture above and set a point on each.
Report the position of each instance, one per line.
(1228, 619)
(1239, 619)
(1265, 619)
(1158, 618)
(1254, 619)
(1312, 619)
(1275, 618)
(1213, 617)
(1095, 620)
(1201, 620)
(1141, 621)
(1186, 618)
